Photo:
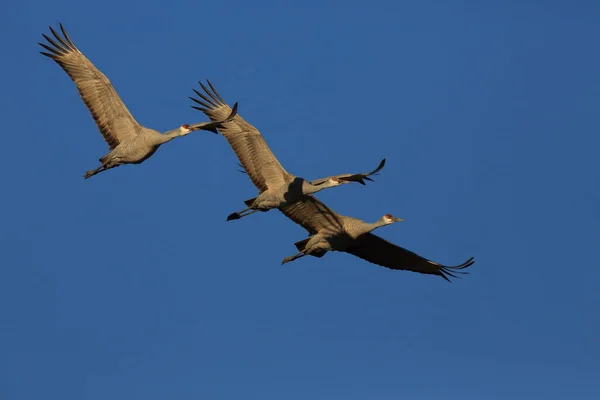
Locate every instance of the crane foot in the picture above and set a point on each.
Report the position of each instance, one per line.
(233, 216)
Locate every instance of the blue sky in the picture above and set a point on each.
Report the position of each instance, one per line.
(132, 285)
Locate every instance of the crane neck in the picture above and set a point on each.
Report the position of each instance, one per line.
(169, 135)
(309, 188)
(367, 227)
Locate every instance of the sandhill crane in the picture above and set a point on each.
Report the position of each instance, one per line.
(276, 186)
(128, 141)
(331, 231)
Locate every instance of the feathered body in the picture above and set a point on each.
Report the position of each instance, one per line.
(275, 185)
(128, 141)
(330, 231)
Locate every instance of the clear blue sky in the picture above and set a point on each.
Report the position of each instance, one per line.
(131, 285)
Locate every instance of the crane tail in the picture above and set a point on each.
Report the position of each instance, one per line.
(249, 202)
(301, 245)
(318, 253)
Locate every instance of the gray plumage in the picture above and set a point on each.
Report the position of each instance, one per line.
(331, 231)
(128, 141)
(275, 185)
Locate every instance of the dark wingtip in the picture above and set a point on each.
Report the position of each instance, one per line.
(220, 99)
(379, 167)
(453, 271)
(209, 103)
(234, 110)
(47, 54)
(199, 109)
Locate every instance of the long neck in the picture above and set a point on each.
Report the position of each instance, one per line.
(367, 227)
(309, 188)
(168, 136)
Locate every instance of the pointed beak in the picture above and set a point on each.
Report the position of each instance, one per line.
(205, 126)
(195, 127)
(398, 219)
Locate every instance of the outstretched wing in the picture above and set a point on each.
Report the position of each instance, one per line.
(115, 122)
(360, 178)
(379, 251)
(250, 147)
(312, 215)
(214, 125)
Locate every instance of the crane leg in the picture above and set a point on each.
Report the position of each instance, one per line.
(94, 172)
(241, 214)
(294, 257)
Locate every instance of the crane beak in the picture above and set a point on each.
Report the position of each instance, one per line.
(205, 126)
(398, 219)
(195, 127)
(351, 179)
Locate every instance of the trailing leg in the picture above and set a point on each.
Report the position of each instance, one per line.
(241, 214)
(93, 172)
(294, 257)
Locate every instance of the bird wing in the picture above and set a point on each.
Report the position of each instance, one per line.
(213, 125)
(250, 147)
(313, 215)
(112, 117)
(360, 178)
(379, 251)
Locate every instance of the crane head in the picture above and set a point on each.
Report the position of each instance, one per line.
(334, 181)
(185, 129)
(390, 219)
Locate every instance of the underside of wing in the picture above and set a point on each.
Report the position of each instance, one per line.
(360, 177)
(115, 122)
(250, 147)
(379, 251)
(312, 215)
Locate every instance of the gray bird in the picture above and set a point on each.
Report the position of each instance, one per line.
(276, 186)
(128, 141)
(330, 231)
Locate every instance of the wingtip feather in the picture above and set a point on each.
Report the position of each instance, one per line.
(215, 91)
(456, 270)
(199, 109)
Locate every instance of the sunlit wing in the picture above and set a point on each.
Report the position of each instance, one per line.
(312, 214)
(214, 125)
(115, 122)
(250, 147)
